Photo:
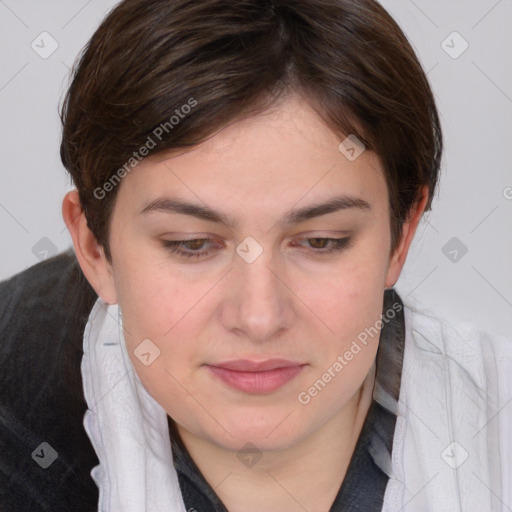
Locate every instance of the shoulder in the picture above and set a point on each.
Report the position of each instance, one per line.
(42, 307)
(48, 278)
(43, 312)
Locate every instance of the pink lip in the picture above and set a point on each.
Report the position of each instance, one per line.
(254, 376)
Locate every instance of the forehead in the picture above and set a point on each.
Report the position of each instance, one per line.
(284, 156)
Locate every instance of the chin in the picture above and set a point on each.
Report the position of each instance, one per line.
(267, 432)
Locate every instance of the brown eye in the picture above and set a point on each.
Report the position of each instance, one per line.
(319, 242)
(322, 246)
(194, 244)
(192, 247)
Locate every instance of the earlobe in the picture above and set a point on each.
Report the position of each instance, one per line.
(409, 227)
(89, 252)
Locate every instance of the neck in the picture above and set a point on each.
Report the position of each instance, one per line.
(305, 476)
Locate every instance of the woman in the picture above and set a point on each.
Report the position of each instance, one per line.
(249, 178)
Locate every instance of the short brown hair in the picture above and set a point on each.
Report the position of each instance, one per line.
(347, 58)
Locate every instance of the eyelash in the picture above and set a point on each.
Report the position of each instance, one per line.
(339, 244)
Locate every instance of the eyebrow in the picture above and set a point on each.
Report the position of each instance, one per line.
(177, 206)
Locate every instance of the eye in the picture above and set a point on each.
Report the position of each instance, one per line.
(193, 247)
(176, 246)
(336, 244)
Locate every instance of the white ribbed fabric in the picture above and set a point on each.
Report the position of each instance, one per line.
(452, 445)
(456, 388)
(127, 427)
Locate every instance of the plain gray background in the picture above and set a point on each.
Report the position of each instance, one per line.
(460, 263)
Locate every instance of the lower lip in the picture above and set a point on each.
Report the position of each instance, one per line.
(256, 382)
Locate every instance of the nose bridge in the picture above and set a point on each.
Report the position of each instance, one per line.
(261, 299)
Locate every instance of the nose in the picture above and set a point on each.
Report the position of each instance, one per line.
(261, 305)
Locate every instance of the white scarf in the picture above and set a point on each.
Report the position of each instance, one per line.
(127, 427)
(455, 388)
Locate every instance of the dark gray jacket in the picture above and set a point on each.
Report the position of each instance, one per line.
(43, 312)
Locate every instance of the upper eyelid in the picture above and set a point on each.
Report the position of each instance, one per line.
(177, 237)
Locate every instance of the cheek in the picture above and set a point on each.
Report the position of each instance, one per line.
(159, 307)
(349, 302)
(147, 304)
(352, 292)
(351, 309)
(149, 296)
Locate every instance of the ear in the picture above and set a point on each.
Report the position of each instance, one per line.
(89, 252)
(397, 260)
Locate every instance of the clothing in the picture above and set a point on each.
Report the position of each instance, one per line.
(451, 445)
(43, 312)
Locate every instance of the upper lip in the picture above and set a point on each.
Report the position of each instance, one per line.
(247, 365)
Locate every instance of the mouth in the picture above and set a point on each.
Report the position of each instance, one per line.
(257, 377)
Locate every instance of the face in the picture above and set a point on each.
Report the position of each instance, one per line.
(258, 268)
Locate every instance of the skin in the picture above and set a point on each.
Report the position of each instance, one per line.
(292, 302)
